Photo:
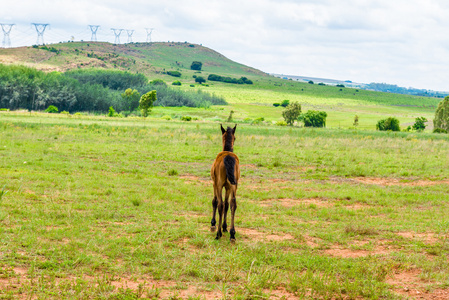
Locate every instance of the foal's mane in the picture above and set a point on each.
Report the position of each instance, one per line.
(228, 141)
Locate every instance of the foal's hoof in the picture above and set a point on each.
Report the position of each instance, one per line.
(232, 240)
(213, 228)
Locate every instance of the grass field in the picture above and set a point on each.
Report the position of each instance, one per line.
(111, 208)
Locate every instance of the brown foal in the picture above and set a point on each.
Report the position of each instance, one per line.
(225, 172)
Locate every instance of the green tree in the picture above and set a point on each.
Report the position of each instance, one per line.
(420, 124)
(111, 112)
(196, 65)
(200, 79)
(52, 109)
(390, 123)
(314, 118)
(292, 113)
(285, 103)
(131, 98)
(356, 121)
(442, 115)
(146, 102)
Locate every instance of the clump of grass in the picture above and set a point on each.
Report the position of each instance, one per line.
(3, 192)
(172, 172)
(360, 230)
(135, 202)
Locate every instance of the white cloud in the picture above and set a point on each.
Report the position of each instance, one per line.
(402, 42)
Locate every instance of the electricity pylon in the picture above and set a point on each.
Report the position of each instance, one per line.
(40, 29)
(117, 33)
(94, 29)
(130, 35)
(6, 31)
(149, 31)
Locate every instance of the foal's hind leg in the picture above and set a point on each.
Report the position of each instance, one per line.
(213, 222)
(233, 209)
(226, 207)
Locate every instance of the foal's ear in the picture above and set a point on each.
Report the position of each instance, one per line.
(235, 127)
(222, 129)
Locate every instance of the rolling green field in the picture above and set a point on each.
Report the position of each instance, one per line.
(119, 208)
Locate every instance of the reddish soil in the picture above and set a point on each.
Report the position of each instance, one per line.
(258, 236)
(395, 181)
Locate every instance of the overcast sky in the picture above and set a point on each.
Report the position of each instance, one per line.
(403, 42)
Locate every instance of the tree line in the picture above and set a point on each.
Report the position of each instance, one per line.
(87, 90)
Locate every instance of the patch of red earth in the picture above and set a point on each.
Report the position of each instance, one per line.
(248, 166)
(296, 202)
(280, 293)
(262, 236)
(195, 179)
(382, 248)
(426, 237)
(409, 284)
(395, 181)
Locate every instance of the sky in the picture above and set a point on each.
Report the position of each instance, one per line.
(403, 42)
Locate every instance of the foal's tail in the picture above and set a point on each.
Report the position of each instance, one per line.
(229, 162)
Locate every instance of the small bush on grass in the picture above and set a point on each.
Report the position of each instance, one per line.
(186, 118)
(52, 109)
(390, 123)
(314, 118)
(177, 82)
(172, 172)
(420, 124)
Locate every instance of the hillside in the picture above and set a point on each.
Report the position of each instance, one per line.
(248, 100)
(151, 59)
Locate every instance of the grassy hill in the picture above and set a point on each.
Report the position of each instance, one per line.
(248, 101)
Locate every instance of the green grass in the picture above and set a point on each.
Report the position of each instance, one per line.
(116, 208)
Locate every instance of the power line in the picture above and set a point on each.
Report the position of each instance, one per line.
(40, 29)
(6, 31)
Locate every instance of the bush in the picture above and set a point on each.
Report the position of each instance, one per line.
(340, 85)
(439, 130)
(441, 119)
(292, 113)
(310, 82)
(281, 123)
(177, 82)
(258, 120)
(321, 83)
(186, 118)
(314, 118)
(285, 103)
(174, 73)
(196, 65)
(166, 117)
(65, 113)
(420, 124)
(200, 79)
(146, 102)
(111, 112)
(52, 109)
(158, 82)
(276, 104)
(390, 123)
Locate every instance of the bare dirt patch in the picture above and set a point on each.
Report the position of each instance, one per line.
(262, 236)
(192, 179)
(426, 237)
(319, 202)
(408, 283)
(399, 182)
(382, 248)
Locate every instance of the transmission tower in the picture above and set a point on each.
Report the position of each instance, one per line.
(149, 31)
(6, 31)
(117, 33)
(94, 29)
(130, 35)
(40, 29)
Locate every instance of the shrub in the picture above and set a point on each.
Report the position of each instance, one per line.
(65, 112)
(285, 103)
(356, 121)
(281, 123)
(174, 73)
(172, 172)
(439, 130)
(146, 102)
(196, 65)
(166, 117)
(292, 113)
(276, 104)
(4, 109)
(186, 118)
(314, 118)
(420, 124)
(310, 82)
(441, 119)
(258, 120)
(390, 123)
(111, 112)
(158, 82)
(200, 79)
(230, 117)
(321, 83)
(177, 82)
(52, 109)
(192, 85)
(340, 85)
